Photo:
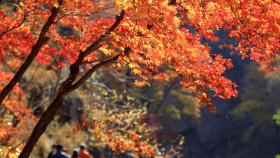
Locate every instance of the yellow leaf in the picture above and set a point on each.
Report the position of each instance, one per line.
(141, 83)
(56, 5)
(105, 51)
(130, 65)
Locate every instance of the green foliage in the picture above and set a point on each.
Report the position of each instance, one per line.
(259, 101)
(276, 118)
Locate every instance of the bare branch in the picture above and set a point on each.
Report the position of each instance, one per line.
(15, 26)
(95, 44)
(87, 75)
(81, 14)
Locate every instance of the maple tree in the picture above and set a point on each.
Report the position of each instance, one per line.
(147, 36)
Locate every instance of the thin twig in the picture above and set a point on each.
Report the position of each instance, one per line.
(15, 26)
(87, 75)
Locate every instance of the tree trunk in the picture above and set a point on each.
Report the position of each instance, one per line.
(68, 86)
(41, 126)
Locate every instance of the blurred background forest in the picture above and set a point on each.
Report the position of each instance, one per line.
(242, 127)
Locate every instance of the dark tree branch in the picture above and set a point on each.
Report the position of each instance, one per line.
(66, 87)
(87, 75)
(95, 44)
(41, 126)
(277, 2)
(34, 52)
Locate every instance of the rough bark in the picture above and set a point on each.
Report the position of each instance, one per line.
(68, 86)
(42, 39)
(41, 126)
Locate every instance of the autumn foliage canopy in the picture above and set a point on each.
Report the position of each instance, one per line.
(155, 39)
